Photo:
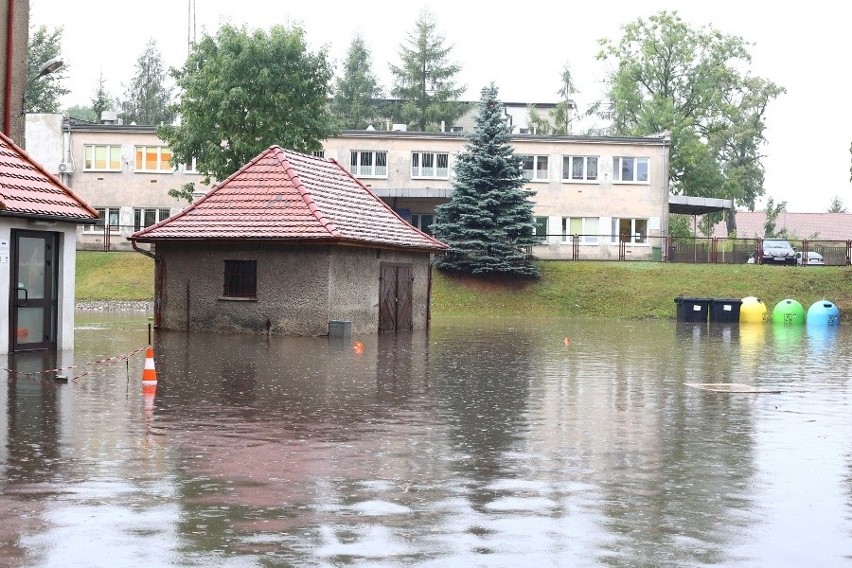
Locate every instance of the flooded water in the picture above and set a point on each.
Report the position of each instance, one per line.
(523, 443)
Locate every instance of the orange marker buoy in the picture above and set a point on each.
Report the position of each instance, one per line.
(358, 347)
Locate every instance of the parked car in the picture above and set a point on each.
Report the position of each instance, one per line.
(778, 252)
(813, 258)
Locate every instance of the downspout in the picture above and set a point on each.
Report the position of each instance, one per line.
(10, 44)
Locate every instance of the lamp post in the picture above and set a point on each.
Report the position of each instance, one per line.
(48, 67)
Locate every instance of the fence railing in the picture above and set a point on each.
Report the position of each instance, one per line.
(695, 250)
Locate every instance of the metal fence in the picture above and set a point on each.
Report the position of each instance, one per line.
(694, 250)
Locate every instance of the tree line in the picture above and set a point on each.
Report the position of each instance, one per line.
(242, 90)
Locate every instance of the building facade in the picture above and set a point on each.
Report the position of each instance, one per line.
(287, 245)
(594, 197)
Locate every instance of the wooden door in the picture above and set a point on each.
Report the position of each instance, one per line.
(395, 297)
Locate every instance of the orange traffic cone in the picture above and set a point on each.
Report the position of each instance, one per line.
(149, 382)
(149, 375)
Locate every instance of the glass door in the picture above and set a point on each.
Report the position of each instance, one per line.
(33, 290)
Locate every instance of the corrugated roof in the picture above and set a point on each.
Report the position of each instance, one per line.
(812, 226)
(287, 196)
(28, 190)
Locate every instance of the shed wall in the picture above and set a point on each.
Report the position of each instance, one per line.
(292, 289)
(299, 289)
(354, 286)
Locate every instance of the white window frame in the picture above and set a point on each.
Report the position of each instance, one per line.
(89, 162)
(371, 170)
(588, 236)
(105, 214)
(434, 171)
(190, 167)
(568, 172)
(160, 213)
(536, 175)
(618, 163)
(636, 236)
(146, 149)
(539, 220)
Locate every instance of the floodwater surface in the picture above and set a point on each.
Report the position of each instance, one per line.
(482, 443)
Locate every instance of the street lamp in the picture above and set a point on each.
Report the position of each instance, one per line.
(48, 67)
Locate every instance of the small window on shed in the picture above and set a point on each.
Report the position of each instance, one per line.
(240, 279)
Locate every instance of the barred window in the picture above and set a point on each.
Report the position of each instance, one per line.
(240, 279)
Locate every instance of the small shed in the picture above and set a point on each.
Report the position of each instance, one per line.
(287, 245)
(38, 241)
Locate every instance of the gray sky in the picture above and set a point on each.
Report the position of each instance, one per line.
(522, 48)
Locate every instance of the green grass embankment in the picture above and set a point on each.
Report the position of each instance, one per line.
(114, 276)
(570, 288)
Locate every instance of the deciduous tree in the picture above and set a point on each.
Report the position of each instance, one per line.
(147, 97)
(694, 84)
(772, 212)
(243, 91)
(425, 79)
(488, 220)
(43, 94)
(356, 91)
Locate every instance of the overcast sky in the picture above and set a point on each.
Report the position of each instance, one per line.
(522, 48)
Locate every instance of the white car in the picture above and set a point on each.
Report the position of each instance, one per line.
(813, 258)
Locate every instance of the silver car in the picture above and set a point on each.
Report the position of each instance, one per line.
(814, 258)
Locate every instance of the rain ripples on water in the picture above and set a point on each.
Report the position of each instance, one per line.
(495, 443)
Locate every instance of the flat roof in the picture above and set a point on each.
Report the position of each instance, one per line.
(687, 205)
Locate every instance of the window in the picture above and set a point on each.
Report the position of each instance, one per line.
(632, 170)
(579, 168)
(102, 157)
(423, 222)
(191, 167)
(368, 163)
(540, 228)
(586, 228)
(632, 230)
(106, 215)
(318, 153)
(240, 279)
(535, 168)
(153, 159)
(146, 217)
(430, 165)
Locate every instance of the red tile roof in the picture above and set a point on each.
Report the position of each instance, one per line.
(287, 196)
(28, 190)
(812, 226)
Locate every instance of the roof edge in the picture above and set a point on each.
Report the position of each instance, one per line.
(39, 167)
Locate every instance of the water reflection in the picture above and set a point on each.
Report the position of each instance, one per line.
(481, 443)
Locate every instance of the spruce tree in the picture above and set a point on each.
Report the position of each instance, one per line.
(101, 101)
(354, 102)
(488, 220)
(425, 80)
(147, 97)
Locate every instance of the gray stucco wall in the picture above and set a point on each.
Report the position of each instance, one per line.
(299, 289)
(354, 286)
